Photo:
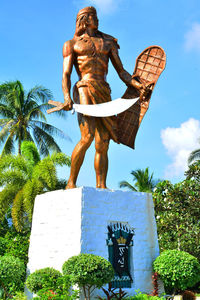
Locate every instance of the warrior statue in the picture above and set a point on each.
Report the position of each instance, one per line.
(89, 51)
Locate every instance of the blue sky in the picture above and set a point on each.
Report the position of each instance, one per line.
(32, 34)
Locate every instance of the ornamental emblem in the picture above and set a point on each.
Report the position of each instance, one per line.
(120, 240)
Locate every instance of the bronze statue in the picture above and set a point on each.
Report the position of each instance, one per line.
(89, 51)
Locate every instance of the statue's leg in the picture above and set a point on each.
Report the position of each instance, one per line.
(87, 128)
(102, 140)
(78, 154)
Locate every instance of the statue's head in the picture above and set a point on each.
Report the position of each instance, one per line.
(86, 17)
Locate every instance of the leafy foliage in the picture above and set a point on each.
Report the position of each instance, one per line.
(22, 118)
(177, 210)
(12, 272)
(111, 293)
(15, 244)
(141, 296)
(178, 270)
(23, 178)
(20, 296)
(143, 181)
(88, 271)
(43, 279)
(49, 283)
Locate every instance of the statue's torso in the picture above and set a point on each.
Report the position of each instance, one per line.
(91, 57)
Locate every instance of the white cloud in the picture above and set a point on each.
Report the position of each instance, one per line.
(179, 142)
(192, 38)
(104, 6)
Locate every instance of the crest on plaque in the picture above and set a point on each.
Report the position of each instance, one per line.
(120, 241)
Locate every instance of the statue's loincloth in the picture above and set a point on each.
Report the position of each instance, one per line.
(99, 92)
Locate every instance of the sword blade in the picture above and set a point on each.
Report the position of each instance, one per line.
(107, 109)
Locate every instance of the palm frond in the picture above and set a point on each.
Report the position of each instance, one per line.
(60, 159)
(35, 113)
(6, 198)
(13, 162)
(18, 211)
(6, 111)
(12, 94)
(31, 189)
(48, 128)
(8, 146)
(125, 184)
(45, 171)
(15, 177)
(45, 141)
(39, 93)
(194, 155)
(30, 152)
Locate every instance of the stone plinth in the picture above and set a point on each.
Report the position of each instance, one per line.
(69, 222)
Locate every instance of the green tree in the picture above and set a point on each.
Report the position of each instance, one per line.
(177, 210)
(22, 118)
(88, 271)
(143, 181)
(178, 270)
(12, 272)
(25, 176)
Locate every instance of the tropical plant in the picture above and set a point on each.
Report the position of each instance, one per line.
(88, 271)
(43, 278)
(178, 270)
(22, 118)
(140, 296)
(194, 156)
(49, 283)
(12, 272)
(23, 178)
(15, 244)
(143, 181)
(177, 210)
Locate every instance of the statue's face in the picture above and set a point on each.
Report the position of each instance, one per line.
(92, 21)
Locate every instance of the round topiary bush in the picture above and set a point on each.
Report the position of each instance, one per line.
(178, 270)
(46, 278)
(12, 272)
(88, 271)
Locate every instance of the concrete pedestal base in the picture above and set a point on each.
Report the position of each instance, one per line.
(69, 222)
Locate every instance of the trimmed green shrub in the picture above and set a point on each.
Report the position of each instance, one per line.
(178, 270)
(88, 271)
(49, 283)
(12, 272)
(46, 278)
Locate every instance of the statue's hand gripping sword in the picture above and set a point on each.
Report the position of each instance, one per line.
(107, 109)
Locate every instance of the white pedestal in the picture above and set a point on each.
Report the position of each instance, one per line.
(69, 222)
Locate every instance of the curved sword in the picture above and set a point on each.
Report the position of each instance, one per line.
(106, 109)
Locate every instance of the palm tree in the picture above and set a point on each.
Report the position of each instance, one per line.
(25, 176)
(194, 155)
(22, 118)
(144, 182)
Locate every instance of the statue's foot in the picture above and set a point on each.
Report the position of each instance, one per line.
(102, 186)
(70, 185)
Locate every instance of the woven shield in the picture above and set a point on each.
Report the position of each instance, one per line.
(149, 65)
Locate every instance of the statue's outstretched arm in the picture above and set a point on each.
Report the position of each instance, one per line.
(123, 74)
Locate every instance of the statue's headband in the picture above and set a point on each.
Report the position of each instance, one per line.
(86, 10)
